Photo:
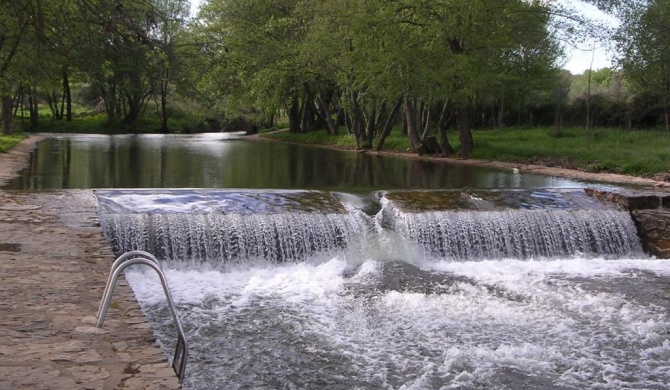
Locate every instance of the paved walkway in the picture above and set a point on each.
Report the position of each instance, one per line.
(54, 264)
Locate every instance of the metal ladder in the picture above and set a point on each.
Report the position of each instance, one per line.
(140, 257)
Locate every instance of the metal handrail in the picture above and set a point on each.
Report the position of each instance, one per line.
(126, 260)
(120, 260)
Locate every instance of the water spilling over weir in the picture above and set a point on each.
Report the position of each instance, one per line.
(223, 227)
(542, 289)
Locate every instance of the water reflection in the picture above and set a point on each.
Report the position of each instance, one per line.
(230, 161)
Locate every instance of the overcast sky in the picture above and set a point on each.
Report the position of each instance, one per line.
(578, 59)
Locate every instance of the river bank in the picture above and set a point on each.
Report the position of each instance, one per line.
(547, 170)
(54, 264)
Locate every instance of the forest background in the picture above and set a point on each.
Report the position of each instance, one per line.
(428, 76)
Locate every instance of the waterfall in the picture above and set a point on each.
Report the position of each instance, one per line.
(232, 227)
(219, 238)
(520, 234)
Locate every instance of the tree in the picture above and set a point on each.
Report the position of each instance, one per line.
(644, 42)
(362, 63)
(14, 27)
(171, 16)
(133, 40)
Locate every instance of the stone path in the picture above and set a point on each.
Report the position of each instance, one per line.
(54, 264)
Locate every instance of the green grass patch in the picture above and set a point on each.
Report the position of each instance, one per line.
(276, 127)
(319, 137)
(9, 141)
(99, 124)
(640, 152)
(394, 142)
(93, 124)
(45, 112)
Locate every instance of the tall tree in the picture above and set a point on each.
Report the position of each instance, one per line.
(15, 23)
(171, 17)
(129, 60)
(644, 42)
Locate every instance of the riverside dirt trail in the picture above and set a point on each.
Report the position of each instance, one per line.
(54, 263)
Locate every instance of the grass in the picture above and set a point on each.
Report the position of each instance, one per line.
(320, 137)
(639, 152)
(94, 124)
(9, 141)
(44, 112)
(86, 120)
(278, 126)
(99, 124)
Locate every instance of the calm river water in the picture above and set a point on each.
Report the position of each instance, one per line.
(229, 161)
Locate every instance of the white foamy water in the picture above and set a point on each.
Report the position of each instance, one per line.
(504, 324)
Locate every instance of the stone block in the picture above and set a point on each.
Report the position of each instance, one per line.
(654, 230)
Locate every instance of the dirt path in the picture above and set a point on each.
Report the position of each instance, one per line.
(54, 264)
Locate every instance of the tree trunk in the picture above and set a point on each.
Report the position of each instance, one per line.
(294, 116)
(20, 105)
(348, 122)
(588, 99)
(111, 107)
(666, 113)
(388, 125)
(132, 114)
(371, 128)
(62, 106)
(307, 114)
(357, 126)
(501, 113)
(442, 125)
(558, 121)
(414, 141)
(17, 100)
(425, 122)
(464, 131)
(419, 108)
(33, 106)
(323, 109)
(520, 116)
(163, 85)
(53, 103)
(67, 92)
(164, 117)
(7, 114)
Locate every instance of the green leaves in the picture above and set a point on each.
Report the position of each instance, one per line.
(285, 55)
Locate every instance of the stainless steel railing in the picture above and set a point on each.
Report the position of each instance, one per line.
(140, 257)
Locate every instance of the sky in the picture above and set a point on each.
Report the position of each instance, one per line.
(577, 59)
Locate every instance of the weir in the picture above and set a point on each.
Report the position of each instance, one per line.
(226, 227)
(232, 227)
(515, 225)
(400, 289)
